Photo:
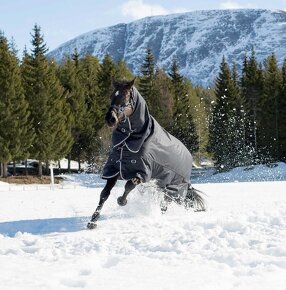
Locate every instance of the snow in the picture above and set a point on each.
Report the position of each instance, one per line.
(262, 172)
(197, 39)
(238, 243)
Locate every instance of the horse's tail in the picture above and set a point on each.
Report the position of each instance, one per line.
(195, 200)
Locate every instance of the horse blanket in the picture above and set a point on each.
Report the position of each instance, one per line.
(142, 148)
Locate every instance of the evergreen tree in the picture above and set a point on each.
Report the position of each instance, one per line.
(122, 71)
(269, 120)
(75, 58)
(60, 117)
(251, 87)
(200, 98)
(13, 47)
(49, 112)
(282, 116)
(15, 131)
(94, 117)
(70, 80)
(224, 126)
(146, 85)
(244, 153)
(162, 103)
(105, 76)
(183, 126)
(90, 68)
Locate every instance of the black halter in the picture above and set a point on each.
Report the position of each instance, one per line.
(121, 108)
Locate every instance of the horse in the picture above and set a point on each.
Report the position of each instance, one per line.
(142, 150)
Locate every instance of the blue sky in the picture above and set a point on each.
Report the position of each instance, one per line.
(62, 20)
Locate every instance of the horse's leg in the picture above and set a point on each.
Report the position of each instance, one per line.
(130, 185)
(165, 203)
(174, 192)
(103, 197)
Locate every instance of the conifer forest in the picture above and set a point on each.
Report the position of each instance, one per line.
(51, 110)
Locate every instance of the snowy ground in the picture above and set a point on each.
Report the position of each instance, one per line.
(239, 243)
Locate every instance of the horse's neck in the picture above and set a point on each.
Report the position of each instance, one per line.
(140, 118)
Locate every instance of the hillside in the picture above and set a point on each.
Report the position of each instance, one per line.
(198, 40)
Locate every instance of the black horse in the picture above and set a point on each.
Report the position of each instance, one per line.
(142, 150)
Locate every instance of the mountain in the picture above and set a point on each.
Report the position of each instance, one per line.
(198, 40)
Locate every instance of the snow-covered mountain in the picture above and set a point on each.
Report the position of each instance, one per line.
(198, 40)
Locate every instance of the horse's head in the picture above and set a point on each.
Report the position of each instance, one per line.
(121, 102)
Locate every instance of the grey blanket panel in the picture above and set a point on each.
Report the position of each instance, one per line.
(142, 148)
(170, 155)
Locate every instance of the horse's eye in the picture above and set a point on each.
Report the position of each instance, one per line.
(117, 93)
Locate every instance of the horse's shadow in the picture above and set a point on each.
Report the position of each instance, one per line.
(88, 180)
(43, 226)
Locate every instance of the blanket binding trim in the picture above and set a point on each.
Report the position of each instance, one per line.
(107, 177)
(131, 131)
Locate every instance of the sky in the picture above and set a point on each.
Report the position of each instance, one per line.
(62, 20)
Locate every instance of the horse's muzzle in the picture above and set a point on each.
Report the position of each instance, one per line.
(111, 118)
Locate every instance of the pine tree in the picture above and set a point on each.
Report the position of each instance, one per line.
(269, 120)
(146, 85)
(105, 76)
(225, 130)
(251, 87)
(282, 116)
(90, 68)
(49, 112)
(244, 153)
(70, 77)
(122, 71)
(60, 118)
(183, 126)
(199, 98)
(15, 131)
(94, 117)
(162, 103)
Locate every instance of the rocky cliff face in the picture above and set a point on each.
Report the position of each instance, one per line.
(197, 40)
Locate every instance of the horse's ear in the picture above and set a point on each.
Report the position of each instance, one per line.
(131, 83)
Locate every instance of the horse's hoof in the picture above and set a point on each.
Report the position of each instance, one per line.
(91, 225)
(136, 180)
(163, 209)
(121, 201)
(189, 204)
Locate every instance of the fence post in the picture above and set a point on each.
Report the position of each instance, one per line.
(52, 174)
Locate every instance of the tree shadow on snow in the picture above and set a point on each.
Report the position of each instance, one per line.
(43, 226)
